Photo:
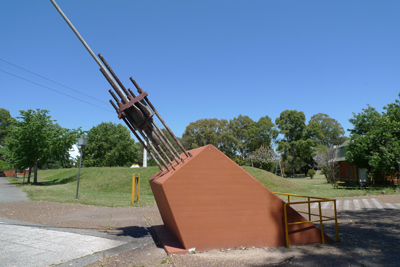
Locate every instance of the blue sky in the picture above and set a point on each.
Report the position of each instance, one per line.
(201, 59)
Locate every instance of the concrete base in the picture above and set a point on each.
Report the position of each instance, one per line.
(210, 202)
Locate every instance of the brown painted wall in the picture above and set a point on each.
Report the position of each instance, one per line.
(210, 202)
(11, 173)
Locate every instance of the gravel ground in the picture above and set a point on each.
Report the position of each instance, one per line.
(368, 237)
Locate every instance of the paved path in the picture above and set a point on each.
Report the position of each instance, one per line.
(24, 244)
(360, 203)
(9, 192)
(28, 245)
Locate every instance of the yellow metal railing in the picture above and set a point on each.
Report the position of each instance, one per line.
(308, 202)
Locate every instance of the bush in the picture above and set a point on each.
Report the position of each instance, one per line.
(311, 173)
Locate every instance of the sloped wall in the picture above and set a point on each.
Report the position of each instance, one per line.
(210, 202)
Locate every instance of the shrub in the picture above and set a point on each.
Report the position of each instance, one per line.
(311, 173)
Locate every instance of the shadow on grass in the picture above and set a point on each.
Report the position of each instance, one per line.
(67, 178)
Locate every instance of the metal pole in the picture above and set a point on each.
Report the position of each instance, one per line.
(144, 157)
(89, 50)
(79, 173)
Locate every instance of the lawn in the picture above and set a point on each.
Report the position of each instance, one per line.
(113, 186)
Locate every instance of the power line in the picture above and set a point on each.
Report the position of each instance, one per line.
(51, 89)
(54, 81)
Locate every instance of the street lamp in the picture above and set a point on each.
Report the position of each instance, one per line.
(81, 142)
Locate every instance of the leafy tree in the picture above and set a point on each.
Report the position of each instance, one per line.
(296, 149)
(325, 130)
(291, 124)
(236, 138)
(375, 140)
(261, 134)
(109, 144)
(240, 127)
(38, 139)
(210, 131)
(5, 124)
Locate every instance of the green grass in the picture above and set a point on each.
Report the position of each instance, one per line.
(97, 186)
(113, 186)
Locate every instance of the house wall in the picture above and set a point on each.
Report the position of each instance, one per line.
(347, 172)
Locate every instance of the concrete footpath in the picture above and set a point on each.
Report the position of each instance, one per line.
(10, 193)
(27, 244)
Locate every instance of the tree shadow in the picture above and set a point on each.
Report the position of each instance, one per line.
(59, 181)
(368, 238)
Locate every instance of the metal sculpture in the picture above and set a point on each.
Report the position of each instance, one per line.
(209, 202)
(137, 112)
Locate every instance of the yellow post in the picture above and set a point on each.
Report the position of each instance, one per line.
(138, 187)
(320, 223)
(336, 226)
(286, 225)
(133, 188)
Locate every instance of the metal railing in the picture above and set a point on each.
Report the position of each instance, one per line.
(321, 217)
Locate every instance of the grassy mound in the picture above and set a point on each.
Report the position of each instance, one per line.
(113, 186)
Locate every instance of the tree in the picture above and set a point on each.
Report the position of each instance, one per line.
(263, 158)
(110, 145)
(5, 124)
(325, 157)
(295, 147)
(325, 130)
(36, 138)
(375, 140)
(239, 127)
(261, 134)
(210, 131)
(291, 124)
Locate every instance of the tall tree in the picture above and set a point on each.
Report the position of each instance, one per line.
(325, 130)
(210, 131)
(291, 124)
(261, 134)
(251, 135)
(293, 148)
(36, 138)
(375, 140)
(5, 124)
(109, 144)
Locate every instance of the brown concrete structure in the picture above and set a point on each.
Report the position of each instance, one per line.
(210, 202)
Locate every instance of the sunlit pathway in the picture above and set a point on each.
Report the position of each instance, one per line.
(369, 203)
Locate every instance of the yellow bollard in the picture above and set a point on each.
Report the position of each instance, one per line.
(135, 187)
(138, 187)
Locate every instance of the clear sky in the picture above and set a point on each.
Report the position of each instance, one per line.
(201, 59)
